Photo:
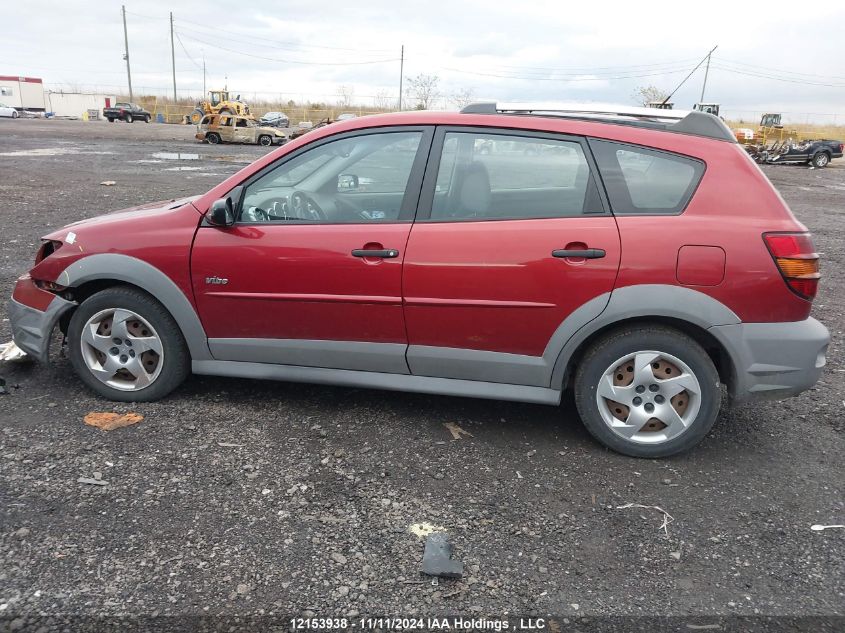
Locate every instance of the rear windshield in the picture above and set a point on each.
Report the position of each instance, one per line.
(640, 180)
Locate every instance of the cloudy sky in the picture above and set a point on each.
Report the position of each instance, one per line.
(772, 55)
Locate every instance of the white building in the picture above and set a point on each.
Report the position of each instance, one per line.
(75, 104)
(23, 93)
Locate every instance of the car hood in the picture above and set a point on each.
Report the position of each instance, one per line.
(149, 209)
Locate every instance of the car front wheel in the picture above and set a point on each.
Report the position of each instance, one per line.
(126, 346)
(647, 391)
(212, 138)
(264, 139)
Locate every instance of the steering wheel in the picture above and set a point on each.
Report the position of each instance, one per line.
(304, 206)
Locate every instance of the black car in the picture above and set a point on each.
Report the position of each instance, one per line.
(125, 111)
(816, 153)
(275, 119)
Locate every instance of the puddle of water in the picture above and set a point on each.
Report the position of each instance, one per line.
(146, 160)
(175, 156)
(182, 168)
(49, 151)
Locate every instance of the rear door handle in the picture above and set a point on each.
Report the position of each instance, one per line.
(587, 253)
(387, 253)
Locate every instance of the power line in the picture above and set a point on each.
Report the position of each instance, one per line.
(289, 61)
(296, 46)
(775, 78)
(579, 77)
(187, 54)
(595, 69)
(776, 70)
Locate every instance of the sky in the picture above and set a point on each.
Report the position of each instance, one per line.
(772, 55)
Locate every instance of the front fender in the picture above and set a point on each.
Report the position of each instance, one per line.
(131, 270)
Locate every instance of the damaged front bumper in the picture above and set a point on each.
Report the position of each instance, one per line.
(33, 314)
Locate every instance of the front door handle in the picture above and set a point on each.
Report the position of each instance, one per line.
(387, 253)
(586, 253)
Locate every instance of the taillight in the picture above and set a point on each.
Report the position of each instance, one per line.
(797, 261)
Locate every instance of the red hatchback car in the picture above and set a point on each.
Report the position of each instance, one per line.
(636, 256)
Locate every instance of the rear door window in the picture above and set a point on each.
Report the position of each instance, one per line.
(646, 181)
(491, 176)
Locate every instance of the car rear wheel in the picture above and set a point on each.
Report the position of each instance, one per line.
(125, 346)
(15, 114)
(212, 138)
(647, 391)
(265, 139)
(111, 119)
(146, 118)
(821, 160)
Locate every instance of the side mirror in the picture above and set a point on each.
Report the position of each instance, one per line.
(221, 213)
(347, 182)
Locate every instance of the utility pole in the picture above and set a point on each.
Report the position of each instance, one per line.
(401, 72)
(684, 80)
(203, 74)
(706, 72)
(173, 56)
(126, 53)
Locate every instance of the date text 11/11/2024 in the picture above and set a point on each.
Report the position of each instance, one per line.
(452, 623)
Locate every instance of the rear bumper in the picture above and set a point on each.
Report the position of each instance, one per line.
(774, 360)
(32, 327)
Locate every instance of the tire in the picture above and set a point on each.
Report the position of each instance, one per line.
(226, 111)
(822, 159)
(111, 119)
(265, 139)
(212, 138)
(612, 362)
(197, 115)
(147, 325)
(15, 114)
(146, 118)
(128, 118)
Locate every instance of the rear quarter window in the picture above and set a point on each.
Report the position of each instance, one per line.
(645, 181)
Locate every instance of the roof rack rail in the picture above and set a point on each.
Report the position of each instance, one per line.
(680, 121)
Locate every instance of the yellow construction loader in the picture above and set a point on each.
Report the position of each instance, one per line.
(219, 102)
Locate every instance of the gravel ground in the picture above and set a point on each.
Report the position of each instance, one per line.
(250, 498)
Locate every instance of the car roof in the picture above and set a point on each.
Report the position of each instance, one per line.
(651, 133)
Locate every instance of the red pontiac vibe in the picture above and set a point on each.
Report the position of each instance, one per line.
(636, 256)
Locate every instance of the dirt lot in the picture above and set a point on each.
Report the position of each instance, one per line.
(251, 498)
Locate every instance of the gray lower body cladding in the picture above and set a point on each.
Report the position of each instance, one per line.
(31, 328)
(774, 360)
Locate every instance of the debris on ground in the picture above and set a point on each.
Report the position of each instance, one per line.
(437, 558)
(109, 421)
(456, 431)
(423, 529)
(819, 528)
(230, 445)
(10, 351)
(109, 183)
(91, 481)
(667, 518)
